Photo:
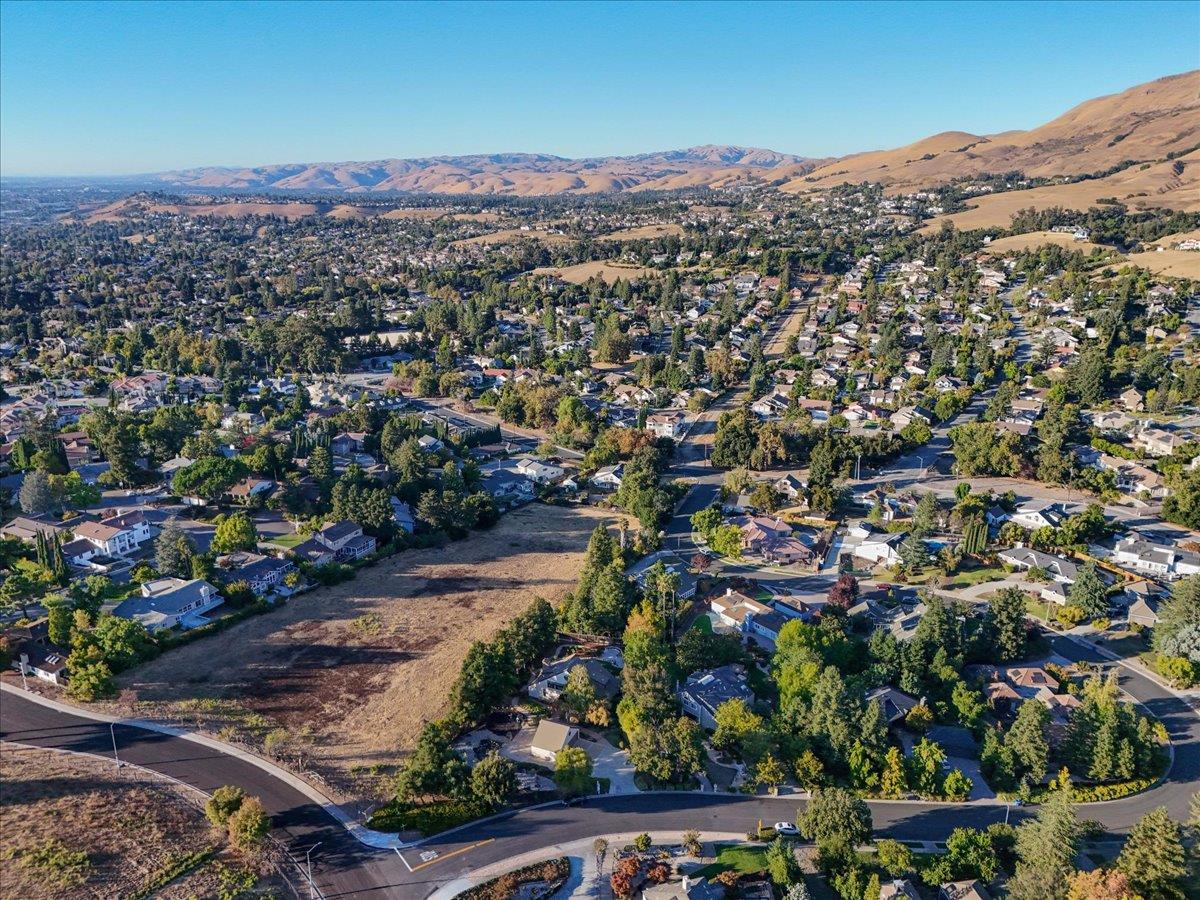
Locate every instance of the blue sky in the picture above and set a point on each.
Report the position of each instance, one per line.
(91, 88)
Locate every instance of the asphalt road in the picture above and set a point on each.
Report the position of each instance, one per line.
(342, 867)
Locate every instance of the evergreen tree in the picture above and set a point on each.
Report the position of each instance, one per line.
(1153, 856)
(1046, 848)
(173, 551)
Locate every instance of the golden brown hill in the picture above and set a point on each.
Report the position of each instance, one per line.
(1145, 123)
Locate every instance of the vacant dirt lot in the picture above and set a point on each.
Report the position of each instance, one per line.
(644, 232)
(609, 271)
(52, 806)
(357, 669)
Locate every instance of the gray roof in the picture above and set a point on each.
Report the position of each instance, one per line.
(712, 687)
(168, 600)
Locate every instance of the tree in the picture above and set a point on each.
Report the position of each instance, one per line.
(836, 820)
(173, 551)
(1089, 593)
(208, 478)
(16, 592)
(573, 772)
(925, 768)
(60, 613)
(844, 591)
(642, 842)
(1026, 740)
(578, 695)
(1046, 848)
(433, 768)
(494, 779)
(925, 518)
(894, 857)
(769, 771)
(1005, 624)
(727, 541)
(980, 448)
(781, 864)
(739, 730)
(894, 780)
(234, 532)
(223, 803)
(1179, 620)
(37, 494)
(90, 681)
(1153, 857)
(1101, 884)
(249, 824)
(914, 554)
(957, 786)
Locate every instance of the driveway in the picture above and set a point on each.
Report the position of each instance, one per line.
(607, 761)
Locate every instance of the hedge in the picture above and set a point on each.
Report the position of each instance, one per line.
(430, 818)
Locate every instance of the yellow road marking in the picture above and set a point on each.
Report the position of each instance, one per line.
(452, 853)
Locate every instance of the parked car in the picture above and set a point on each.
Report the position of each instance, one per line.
(786, 828)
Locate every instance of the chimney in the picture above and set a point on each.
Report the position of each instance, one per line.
(685, 884)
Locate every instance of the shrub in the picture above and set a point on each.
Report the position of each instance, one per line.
(249, 824)
(1179, 670)
(552, 871)
(222, 804)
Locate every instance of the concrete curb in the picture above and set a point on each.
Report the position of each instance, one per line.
(377, 839)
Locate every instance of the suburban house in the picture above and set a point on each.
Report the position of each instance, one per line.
(262, 573)
(1038, 515)
(609, 477)
(115, 536)
(880, 548)
(402, 515)
(1158, 441)
(964, 890)
(170, 603)
(704, 691)
(1160, 560)
(899, 889)
(548, 684)
(250, 489)
(673, 564)
(346, 540)
(34, 654)
(896, 705)
(687, 888)
(1062, 572)
(666, 424)
(551, 737)
(1143, 612)
(540, 472)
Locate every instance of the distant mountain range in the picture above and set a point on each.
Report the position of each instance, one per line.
(517, 174)
(1157, 125)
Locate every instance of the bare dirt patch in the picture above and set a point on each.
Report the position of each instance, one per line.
(609, 271)
(512, 236)
(355, 671)
(645, 232)
(53, 807)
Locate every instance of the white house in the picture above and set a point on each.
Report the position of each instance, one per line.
(540, 472)
(609, 477)
(1161, 560)
(666, 424)
(881, 548)
(171, 602)
(1039, 514)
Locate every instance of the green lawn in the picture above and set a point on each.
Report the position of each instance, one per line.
(288, 541)
(976, 576)
(746, 859)
(703, 623)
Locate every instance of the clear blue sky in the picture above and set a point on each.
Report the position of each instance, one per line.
(96, 88)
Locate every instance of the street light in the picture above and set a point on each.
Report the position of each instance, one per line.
(308, 866)
(112, 732)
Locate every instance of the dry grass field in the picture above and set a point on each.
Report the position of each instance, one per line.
(511, 236)
(1177, 263)
(357, 669)
(644, 232)
(1038, 239)
(609, 271)
(70, 826)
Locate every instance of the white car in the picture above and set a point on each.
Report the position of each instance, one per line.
(786, 828)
